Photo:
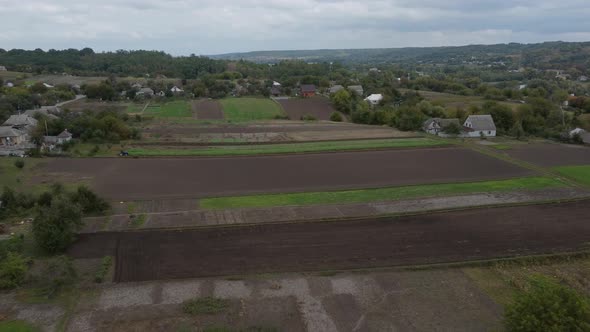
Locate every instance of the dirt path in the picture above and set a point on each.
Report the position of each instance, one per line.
(426, 239)
(182, 213)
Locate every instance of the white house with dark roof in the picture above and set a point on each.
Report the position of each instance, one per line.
(479, 126)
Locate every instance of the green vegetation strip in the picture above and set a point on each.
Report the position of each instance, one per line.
(580, 174)
(380, 194)
(290, 148)
(250, 109)
(174, 109)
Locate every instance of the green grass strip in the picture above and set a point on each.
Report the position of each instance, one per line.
(290, 148)
(580, 174)
(250, 109)
(379, 194)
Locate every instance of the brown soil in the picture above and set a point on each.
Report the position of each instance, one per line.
(136, 179)
(424, 239)
(207, 109)
(550, 155)
(319, 107)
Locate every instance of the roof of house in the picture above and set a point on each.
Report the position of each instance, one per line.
(275, 90)
(10, 132)
(275, 83)
(176, 89)
(441, 122)
(307, 88)
(20, 120)
(481, 122)
(375, 97)
(146, 90)
(50, 139)
(336, 88)
(356, 88)
(65, 134)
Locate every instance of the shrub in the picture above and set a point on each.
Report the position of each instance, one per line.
(89, 201)
(335, 116)
(13, 270)
(207, 305)
(548, 306)
(54, 226)
(12, 245)
(57, 274)
(19, 163)
(105, 266)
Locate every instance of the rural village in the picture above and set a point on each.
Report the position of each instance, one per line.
(217, 194)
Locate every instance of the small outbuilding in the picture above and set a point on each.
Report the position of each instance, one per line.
(307, 90)
(437, 126)
(374, 99)
(10, 136)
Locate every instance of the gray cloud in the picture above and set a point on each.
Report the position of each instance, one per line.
(214, 26)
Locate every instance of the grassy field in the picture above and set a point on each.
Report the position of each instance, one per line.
(134, 108)
(579, 174)
(250, 109)
(290, 148)
(15, 178)
(174, 109)
(17, 326)
(380, 194)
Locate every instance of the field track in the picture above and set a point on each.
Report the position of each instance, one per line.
(156, 178)
(424, 239)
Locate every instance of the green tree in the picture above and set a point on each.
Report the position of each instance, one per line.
(13, 270)
(54, 227)
(19, 163)
(342, 101)
(408, 118)
(335, 116)
(548, 306)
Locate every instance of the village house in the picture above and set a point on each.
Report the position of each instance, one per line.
(307, 90)
(437, 126)
(145, 92)
(584, 135)
(2, 68)
(136, 86)
(176, 90)
(10, 136)
(275, 83)
(479, 126)
(374, 99)
(336, 88)
(583, 78)
(9, 85)
(21, 122)
(48, 86)
(358, 89)
(63, 137)
(161, 94)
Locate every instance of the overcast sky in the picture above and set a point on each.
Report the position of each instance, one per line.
(182, 27)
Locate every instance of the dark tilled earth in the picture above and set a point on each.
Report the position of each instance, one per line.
(208, 109)
(378, 242)
(319, 107)
(551, 155)
(160, 178)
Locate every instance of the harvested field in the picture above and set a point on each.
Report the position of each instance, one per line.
(550, 155)
(319, 107)
(135, 179)
(207, 109)
(424, 239)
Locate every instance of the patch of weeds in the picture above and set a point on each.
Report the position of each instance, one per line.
(131, 207)
(105, 266)
(17, 326)
(249, 329)
(327, 273)
(138, 221)
(207, 305)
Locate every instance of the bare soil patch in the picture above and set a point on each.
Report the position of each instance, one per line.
(319, 107)
(207, 109)
(95, 106)
(424, 239)
(137, 179)
(550, 155)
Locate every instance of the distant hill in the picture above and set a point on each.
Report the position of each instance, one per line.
(547, 55)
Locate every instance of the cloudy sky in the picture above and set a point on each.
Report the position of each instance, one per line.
(183, 27)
